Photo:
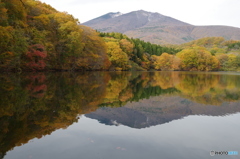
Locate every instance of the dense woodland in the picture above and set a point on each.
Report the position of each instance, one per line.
(36, 37)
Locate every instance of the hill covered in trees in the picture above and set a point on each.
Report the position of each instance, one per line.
(206, 54)
(132, 54)
(35, 36)
(226, 52)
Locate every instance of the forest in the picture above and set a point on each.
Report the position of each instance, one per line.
(36, 37)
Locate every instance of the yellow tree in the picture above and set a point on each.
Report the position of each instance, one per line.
(16, 12)
(3, 15)
(222, 58)
(232, 62)
(94, 52)
(118, 58)
(197, 58)
(127, 47)
(166, 62)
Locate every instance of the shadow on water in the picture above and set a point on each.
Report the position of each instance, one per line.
(36, 104)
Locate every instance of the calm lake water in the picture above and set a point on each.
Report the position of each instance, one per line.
(119, 115)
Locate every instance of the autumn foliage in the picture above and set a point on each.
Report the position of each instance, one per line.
(36, 37)
(197, 59)
(35, 57)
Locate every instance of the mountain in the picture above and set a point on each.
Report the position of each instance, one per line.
(104, 17)
(158, 28)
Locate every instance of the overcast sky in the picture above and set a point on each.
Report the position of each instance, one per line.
(196, 12)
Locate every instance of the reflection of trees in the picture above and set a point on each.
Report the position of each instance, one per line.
(28, 111)
(196, 84)
(36, 86)
(33, 105)
(37, 104)
(146, 86)
(165, 79)
(117, 89)
(209, 88)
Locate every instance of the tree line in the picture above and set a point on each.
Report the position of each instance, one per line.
(206, 54)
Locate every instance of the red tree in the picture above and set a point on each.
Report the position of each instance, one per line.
(36, 57)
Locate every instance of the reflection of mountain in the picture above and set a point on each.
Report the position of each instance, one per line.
(158, 110)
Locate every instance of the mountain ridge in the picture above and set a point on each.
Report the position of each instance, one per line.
(159, 29)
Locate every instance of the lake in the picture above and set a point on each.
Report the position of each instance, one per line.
(120, 115)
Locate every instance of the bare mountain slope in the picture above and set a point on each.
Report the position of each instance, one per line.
(159, 29)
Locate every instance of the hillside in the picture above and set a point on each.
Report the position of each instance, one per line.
(36, 37)
(159, 29)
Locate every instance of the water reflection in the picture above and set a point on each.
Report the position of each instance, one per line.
(159, 110)
(36, 104)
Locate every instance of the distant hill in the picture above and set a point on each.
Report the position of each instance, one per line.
(159, 29)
